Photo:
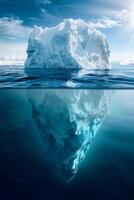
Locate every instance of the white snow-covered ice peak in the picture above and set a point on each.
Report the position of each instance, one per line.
(71, 44)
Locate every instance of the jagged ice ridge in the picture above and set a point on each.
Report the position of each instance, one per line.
(71, 44)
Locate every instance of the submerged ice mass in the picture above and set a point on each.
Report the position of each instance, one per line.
(71, 44)
(68, 121)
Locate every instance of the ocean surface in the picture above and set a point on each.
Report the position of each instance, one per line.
(106, 173)
(117, 78)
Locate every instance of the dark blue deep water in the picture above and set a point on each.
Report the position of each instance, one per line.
(106, 173)
(117, 78)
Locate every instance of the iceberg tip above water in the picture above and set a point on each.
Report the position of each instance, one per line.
(71, 44)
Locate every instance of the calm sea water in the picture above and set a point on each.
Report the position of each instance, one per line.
(106, 173)
(117, 78)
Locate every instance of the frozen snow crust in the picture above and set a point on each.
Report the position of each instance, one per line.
(71, 44)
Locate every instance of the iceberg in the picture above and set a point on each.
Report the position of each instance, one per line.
(68, 121)
(71, 44)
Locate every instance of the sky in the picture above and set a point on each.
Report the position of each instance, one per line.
(115, 18)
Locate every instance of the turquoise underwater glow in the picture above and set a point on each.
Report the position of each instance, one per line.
(61, 143)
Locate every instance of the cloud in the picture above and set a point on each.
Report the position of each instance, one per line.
(12, 52)
(121, 16)
(104, 23)
(114, 19)
(47, 2)
(14, 59)
(11, 28)
(46, 14)
(11, 62)
(122, 58)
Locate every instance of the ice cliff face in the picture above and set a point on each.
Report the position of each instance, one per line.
(71, 44)
(68, 121)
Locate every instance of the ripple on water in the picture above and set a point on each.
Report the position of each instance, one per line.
(117, 78)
